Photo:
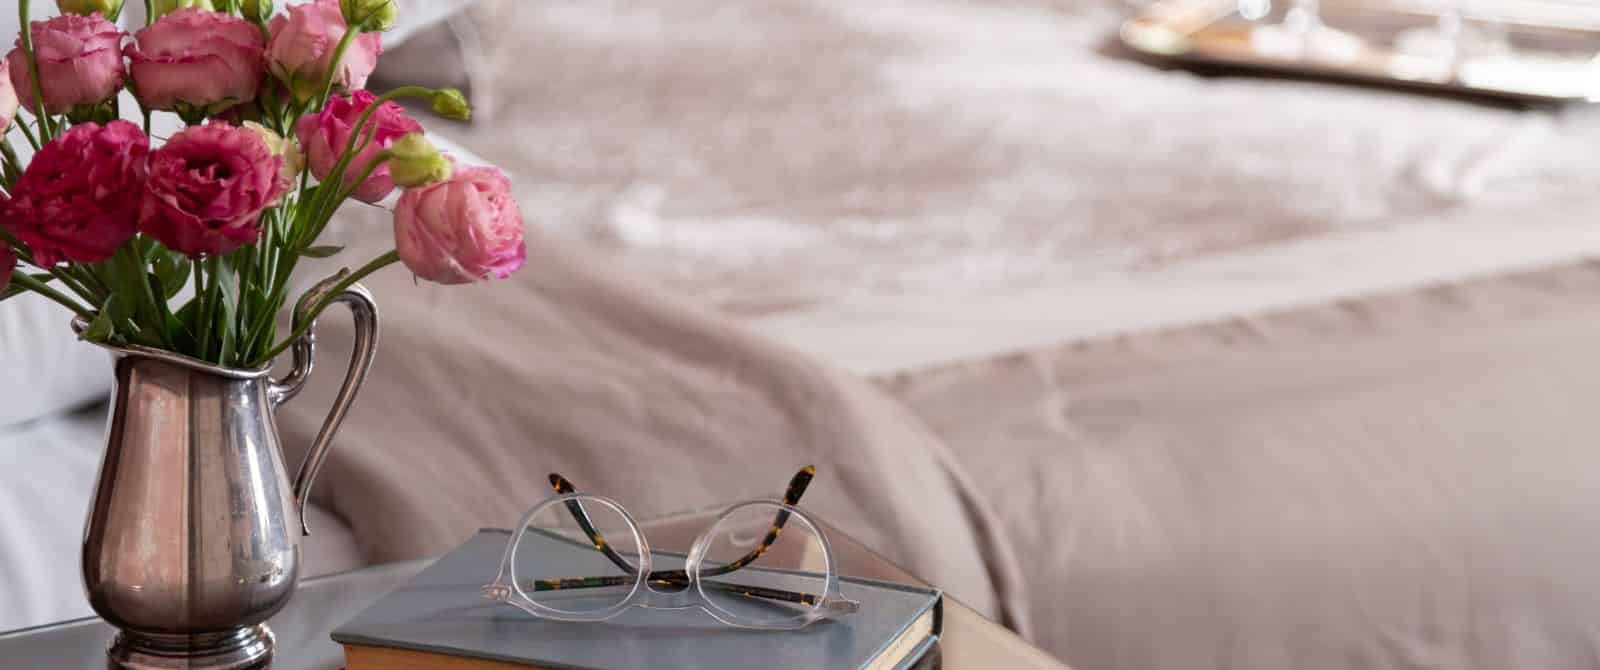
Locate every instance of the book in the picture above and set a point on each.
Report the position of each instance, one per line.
(440, 621)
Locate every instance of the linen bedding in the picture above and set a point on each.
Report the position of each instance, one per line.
(479, 392)
(1060, 258)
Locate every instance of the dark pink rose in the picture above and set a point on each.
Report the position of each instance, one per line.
(203, 59)
(461, 230)
(323, 137)
(8, 262)
(79, 58)
(301, 49)
(207, 187)
(77, 199)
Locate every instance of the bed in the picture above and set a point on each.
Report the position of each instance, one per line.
(1162, 370)
(1253, 373)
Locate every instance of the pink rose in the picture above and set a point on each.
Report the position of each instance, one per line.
(79, 59)
(77, 199)
(323, 137)
(8, 100)
(207, 187)
(461, 230)
(203, 59)
(302, 45)
(8, 263)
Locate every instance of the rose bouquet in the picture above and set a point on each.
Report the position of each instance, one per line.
(114, 224)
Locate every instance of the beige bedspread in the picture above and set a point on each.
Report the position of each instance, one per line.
(479, 392)
(1056, 256)
(841, 173)
(1404, 481)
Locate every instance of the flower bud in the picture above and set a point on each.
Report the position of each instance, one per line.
(369, 16)
(293, 160)
(107, 8)
(164, 7)
(451, 104)
(256, 10)
(414, 161)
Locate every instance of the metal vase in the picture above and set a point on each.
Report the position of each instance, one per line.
(193, 535)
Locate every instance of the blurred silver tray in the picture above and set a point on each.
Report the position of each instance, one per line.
(1528, 50)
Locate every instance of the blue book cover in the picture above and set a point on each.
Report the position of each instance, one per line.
(441, 612)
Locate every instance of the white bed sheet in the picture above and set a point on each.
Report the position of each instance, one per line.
(47, 473)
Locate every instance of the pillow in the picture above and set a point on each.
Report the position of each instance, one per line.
(39, 353)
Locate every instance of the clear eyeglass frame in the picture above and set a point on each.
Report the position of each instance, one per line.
(689, 585)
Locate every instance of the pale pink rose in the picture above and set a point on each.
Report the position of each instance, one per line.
(207, 60)
(301, 49)
(77, 198)
(8, 263)
(8, 100)
(461, 230)
(79, 59)
(323, 136)
(207, 187)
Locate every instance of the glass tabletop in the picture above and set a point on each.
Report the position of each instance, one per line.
(970, 641)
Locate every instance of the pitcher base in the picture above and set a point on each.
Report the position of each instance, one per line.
(244, 648)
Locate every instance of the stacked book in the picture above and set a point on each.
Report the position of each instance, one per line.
(440, 621)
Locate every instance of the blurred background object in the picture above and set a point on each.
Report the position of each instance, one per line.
(1530, 50)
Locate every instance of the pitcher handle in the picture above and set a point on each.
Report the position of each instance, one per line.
(365, 312)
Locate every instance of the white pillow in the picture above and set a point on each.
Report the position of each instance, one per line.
(44, 368)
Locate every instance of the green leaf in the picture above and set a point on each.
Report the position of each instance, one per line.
(101, 328)
(188, 314)
(227, 324)
(172, 269)
(148, 249)
(172, 329)
(117, 310)
(321, 251)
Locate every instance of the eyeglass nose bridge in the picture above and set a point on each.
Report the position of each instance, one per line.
(681, 599)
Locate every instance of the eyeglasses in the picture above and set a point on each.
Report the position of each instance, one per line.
(585, 534)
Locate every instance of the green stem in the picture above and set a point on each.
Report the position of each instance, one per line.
(326, 210)
(152, 305)
(311, 315)
(372, 166)
(27, 133)
(208, 304)
(46, 130)
(17, 247)
(14, 166)
(91, 280)
(40, 288)
(334, 65)
(65, 277)
(197, 270)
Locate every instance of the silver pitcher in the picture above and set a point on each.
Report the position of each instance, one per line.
(193, 535)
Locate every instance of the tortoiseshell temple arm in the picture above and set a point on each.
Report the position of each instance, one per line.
(791, 496)
(562, 486)
(740, 589)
